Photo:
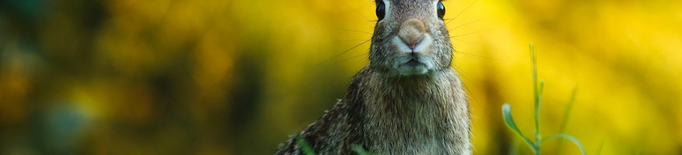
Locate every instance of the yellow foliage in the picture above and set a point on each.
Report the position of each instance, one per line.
(239, 77)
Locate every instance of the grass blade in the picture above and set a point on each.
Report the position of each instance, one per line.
(509, 121)
(600, 146)
(569, 137)
(537, 113)
(304, 145)
(536, 93)
(567, 113)
(358, 149)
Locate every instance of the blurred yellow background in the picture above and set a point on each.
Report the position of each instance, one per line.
(238, 77)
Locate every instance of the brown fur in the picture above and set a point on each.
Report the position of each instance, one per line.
(388, 112)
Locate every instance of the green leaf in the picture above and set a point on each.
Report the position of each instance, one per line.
(509, 121)
(567, 112)
(569, 137)
(304, 145)
(600, 146)
(357, 148)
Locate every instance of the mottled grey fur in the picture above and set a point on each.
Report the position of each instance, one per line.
(389, 113)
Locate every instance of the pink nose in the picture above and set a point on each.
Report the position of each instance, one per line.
(412, 45)
(411, 32)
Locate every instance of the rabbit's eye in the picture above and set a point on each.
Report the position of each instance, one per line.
(381, 10)
(441, 10)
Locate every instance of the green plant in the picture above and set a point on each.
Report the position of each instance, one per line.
(304, 145)
(537, 92)
(357, 148)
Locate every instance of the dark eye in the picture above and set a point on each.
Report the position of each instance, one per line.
(441, 10)
(381, 10)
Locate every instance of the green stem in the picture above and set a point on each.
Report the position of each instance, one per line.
(564, 123)
(537, 91)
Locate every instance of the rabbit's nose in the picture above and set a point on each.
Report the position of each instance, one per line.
(411, 32)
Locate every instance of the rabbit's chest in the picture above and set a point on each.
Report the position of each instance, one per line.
(423, 131)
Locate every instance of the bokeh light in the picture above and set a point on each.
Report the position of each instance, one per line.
(239, 77)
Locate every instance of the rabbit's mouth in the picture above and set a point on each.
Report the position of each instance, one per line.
(412, 57)
(412, 65)
(413, 62)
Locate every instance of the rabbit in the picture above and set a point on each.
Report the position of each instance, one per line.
(408, 100)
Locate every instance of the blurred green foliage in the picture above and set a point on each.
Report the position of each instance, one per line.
(239, 77)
